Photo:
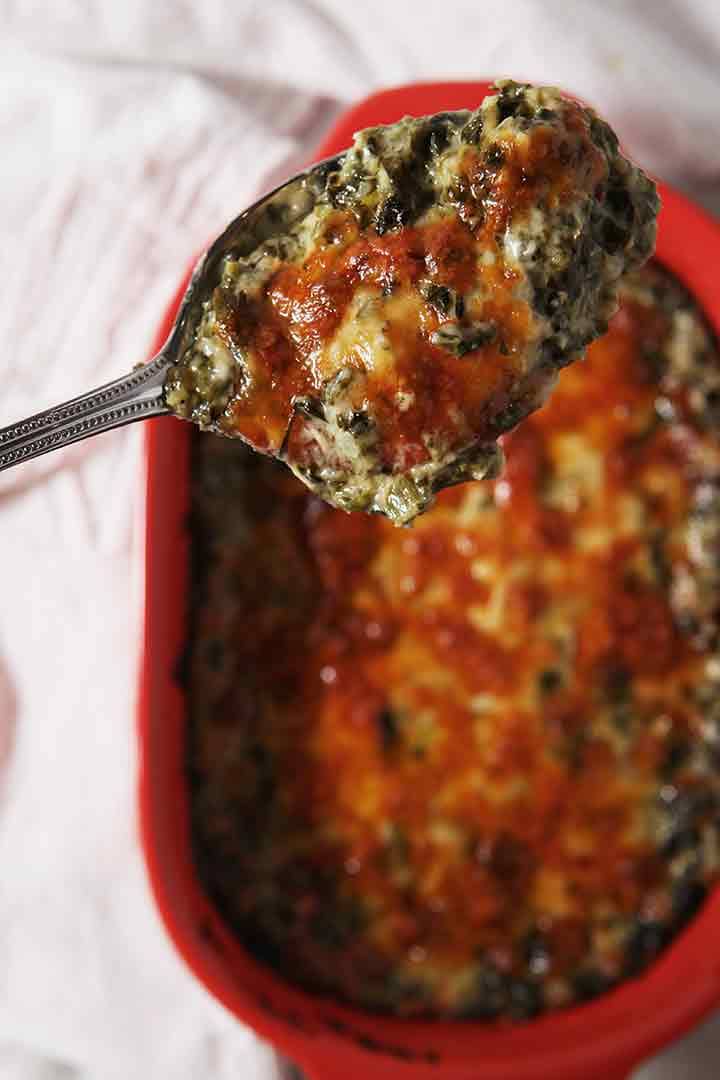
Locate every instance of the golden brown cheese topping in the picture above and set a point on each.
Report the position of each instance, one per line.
(448, 267)
(472, 769)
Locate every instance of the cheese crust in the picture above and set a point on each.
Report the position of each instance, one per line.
(442, 274)
(473, 769)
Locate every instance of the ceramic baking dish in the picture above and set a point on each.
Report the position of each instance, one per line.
(601, 1040)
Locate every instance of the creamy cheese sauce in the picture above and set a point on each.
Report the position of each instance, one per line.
(442, 274)
(473, 769)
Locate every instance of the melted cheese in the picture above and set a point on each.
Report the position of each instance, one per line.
(471, 770)
(452, 264)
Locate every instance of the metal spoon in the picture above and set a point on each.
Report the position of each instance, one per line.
(141, 393)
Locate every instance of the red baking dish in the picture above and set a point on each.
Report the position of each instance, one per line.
(602, 1039)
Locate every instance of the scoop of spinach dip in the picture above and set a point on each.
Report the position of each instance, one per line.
(440, 273)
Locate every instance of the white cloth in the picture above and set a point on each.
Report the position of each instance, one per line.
(129, 133)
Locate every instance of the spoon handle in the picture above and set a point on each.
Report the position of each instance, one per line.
(132, 397)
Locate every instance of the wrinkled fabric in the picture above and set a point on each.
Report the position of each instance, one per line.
(130, 133)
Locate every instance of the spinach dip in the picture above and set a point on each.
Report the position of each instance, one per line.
(445, 268)
(473, 769)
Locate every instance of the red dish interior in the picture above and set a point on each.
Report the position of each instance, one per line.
(602, 1039)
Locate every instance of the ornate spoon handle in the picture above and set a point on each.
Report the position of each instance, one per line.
(140, 394)
(132, 397)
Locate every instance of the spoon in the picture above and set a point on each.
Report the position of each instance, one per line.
(378, 321)
(140, 394)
